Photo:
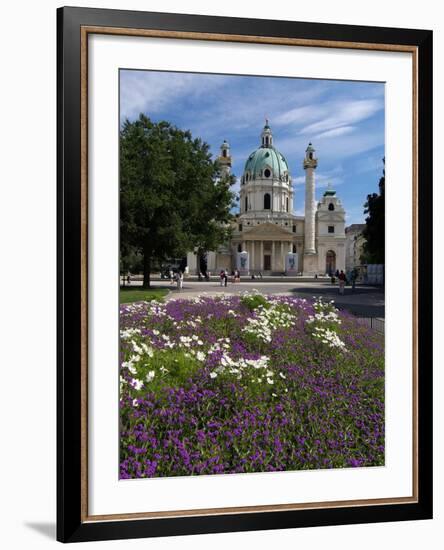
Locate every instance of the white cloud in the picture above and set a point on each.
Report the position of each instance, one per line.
(152, 91)
(335, 132)
(296, 115)
(344, 113)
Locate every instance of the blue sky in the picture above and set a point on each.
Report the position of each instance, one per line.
(344, 120)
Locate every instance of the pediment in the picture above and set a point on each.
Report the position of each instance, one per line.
(268, 230)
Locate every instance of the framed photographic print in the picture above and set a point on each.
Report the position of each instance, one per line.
(244, 305)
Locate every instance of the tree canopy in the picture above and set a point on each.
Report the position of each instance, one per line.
(374, 230)
(172, 196)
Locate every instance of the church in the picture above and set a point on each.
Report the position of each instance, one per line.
(267, 237)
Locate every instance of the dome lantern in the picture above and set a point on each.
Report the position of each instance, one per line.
(267, 135)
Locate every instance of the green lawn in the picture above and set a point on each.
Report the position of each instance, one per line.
(137, 294)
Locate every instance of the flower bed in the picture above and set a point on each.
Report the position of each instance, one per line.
(235, 384)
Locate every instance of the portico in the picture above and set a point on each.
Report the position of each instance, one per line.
(267, 245)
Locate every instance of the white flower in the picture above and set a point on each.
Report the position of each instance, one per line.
(200, 356)
(137, 384)
(213, 374)
(150, 375)
(270, 381)
(135, 403)
(282, 375)
(147, 350)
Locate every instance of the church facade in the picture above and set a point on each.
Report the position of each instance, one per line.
(267, 237)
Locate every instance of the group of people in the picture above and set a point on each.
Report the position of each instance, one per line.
(224, 277)
(343, 280)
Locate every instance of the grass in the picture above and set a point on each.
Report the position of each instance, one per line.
(137, 294)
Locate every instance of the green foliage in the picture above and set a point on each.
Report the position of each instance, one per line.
(374, 231)
(166, 368)
(254, 301)
(171, 197)
(137, 294)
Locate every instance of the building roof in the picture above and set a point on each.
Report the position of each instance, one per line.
(266, 157)
(355, 228)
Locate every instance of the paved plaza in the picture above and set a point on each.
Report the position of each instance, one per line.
(365, 301)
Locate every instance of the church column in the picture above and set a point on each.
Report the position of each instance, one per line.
(261, 264)
(243, 246)
(273, 257)
(310, 164)
(282, 256)
(252, 256)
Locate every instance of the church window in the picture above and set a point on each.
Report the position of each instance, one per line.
(331, 206)
(294, 229)
(331, 228)
(246, 203)
(310, 156)
(246, 177)
(267, 173)
(224, 153)
(294, 249)
(286, 205)
(240, 227)
(267, 201)
(239, 247)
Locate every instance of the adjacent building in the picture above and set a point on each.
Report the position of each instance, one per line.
(354, 245)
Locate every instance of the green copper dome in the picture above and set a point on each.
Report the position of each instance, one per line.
(263, 158)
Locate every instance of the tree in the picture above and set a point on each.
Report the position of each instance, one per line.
(374, 230)
(172, 199)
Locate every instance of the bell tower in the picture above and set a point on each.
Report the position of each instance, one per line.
(225, 158)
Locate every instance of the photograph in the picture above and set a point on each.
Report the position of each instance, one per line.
(251, 274)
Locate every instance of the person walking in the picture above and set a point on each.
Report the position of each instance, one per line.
(171, 277)
(179, 280)
(341, 278)
(225, 278)
(222, 277)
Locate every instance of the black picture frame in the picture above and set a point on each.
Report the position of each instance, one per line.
(71, 523)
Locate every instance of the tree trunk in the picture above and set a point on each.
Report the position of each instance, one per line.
(146, 269)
